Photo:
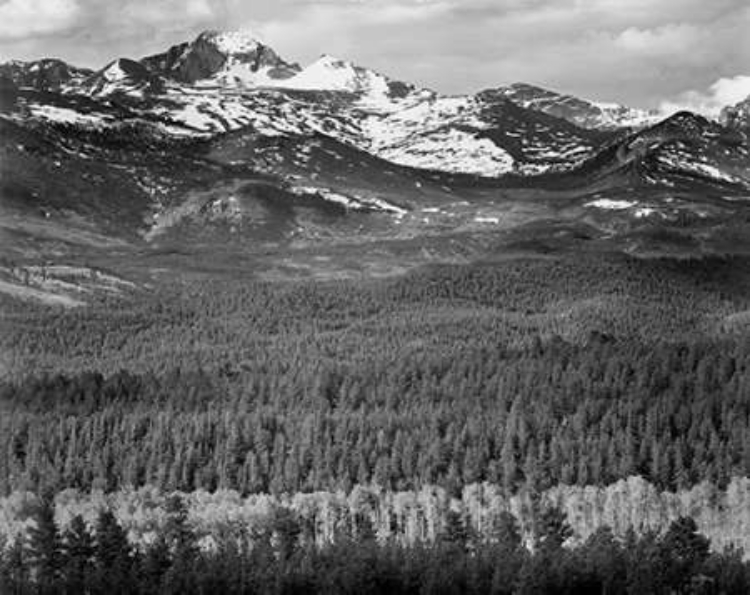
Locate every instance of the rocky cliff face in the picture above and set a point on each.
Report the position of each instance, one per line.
(44, 75)
(587, 114)
(123, 76)
(211, 53)
(737, 116)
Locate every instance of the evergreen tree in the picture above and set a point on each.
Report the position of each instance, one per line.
(155, 563)
(180, 577)
(112, 554)
(603, 563)
(364, 531)
(286, 529)
(15, 576)
(508, 554)
(552, 529)
(684, 551)
(455, 532)
(78, 556)
(644, 564)
(45, 547)
(504, 531)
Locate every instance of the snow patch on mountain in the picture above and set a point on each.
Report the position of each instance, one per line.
(235, 42)
(110, 80)
(688, 163)
(614, 115)
(114, 72)
(431, 114)
(330, 74)
(237, 74)
(610, 204)
(64, 115)
(438, 133)
(451, 150)
(581, 112)
(377, 93)
(353, 202)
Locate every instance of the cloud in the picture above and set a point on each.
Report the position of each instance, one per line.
(93, 32)
(663, 40)
(24, 18)
(140, 18)
(637, 51)
(724, 92)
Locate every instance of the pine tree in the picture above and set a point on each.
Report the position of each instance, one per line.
(504, 530)
(180, 577)
(455, 532)
(112, 554)
(552, 530)
(45, 547)
(287, 530)
(155, 563)
(78, 555)
(364, 531)
(509, 555)
(15, 577)
(684, 551)
(603, 561)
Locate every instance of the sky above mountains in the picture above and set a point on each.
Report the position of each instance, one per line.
(686, 53)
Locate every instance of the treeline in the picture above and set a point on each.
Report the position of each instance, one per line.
(281, 558)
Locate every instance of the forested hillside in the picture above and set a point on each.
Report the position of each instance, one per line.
(528, 373)
(530, 376)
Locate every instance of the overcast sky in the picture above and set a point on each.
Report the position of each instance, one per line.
(640, 52)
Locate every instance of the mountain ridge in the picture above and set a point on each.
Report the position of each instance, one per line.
(737, 116)
(582, 112)
(232, 58)
(219, 145)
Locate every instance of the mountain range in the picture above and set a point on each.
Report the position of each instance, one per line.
(219, 150)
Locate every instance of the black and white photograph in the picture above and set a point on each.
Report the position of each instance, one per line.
(374, 297)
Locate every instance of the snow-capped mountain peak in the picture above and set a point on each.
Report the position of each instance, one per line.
(221, 58)
(737, 116)
(48, 74)
(232, 82)
(581, 112)
(233, 42)
(376, 92)
(332, 74)
(115, 71)
(123, 76)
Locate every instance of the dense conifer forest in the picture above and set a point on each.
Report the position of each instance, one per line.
(531, 373)
(523, 374)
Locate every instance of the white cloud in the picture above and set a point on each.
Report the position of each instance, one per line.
(638, 51)
(724, 92)
(132, 15)
(23, 18)
(198, 9)
(666, 39)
